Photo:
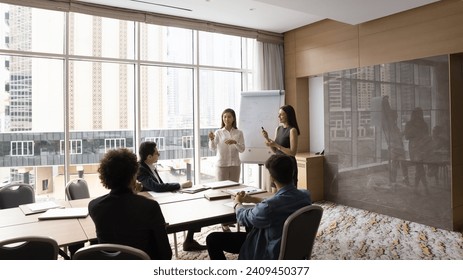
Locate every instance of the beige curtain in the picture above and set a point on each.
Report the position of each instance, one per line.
(270, 66)
(269, 76)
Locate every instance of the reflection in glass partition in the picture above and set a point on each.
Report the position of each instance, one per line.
(387, 139)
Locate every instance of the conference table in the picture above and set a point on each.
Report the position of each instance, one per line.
(181, 212)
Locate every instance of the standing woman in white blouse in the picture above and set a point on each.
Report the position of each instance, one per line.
(228, 141)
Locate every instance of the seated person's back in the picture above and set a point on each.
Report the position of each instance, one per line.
(124, 217)
(265, 220)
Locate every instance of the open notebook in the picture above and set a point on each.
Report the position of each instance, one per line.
(64, 213)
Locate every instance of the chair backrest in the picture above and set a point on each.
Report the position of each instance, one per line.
(77, 189)
(299, 232)
(15, 194)
(29, 248)
(110, 251)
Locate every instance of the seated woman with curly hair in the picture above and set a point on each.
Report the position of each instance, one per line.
(123, 217)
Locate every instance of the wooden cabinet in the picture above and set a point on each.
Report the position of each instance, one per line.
(310, 174)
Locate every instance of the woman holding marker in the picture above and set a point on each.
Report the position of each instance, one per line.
(286, 136)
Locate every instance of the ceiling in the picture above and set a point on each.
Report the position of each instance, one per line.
(271, 15)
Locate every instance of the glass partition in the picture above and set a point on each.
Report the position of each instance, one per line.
(387, 139)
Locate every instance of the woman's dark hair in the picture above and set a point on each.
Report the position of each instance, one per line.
(232, 112)
(280, 168)
(291, 115)
(146, 148)
(118, 168)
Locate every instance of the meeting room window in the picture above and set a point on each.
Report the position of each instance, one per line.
(119, 73)
(114, 143)
(75, 147)
(187, 142)
(159, 142)
(22, 148)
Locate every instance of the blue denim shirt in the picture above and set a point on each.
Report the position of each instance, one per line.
(267, 219)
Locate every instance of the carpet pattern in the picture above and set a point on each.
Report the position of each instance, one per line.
(347, 233)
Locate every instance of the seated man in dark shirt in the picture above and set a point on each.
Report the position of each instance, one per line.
(123, 217)
(149, 177)
(265, 220)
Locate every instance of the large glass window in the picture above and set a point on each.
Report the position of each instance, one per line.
(31, 29)
(219, 90)
(31, 121)
(167, 44)
(99, 93)
(101, 37)
(166, 112)
(219, 50)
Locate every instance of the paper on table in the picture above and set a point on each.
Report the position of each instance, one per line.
(247, 190)
(64, 213)
(220, 184)
(159, 194)
(192, 190)
(245, 205)
(42, 206)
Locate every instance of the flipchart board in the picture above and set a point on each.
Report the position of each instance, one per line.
(258, 109)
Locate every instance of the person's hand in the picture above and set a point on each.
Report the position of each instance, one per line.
(240, 197)
(270, 143)
(137, 187)
(211, 135)
(230, 142)
(265, 134)
(186, 184)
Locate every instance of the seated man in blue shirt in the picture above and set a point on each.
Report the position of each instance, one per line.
(265, 221)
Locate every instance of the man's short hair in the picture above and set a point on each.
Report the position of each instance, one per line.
(146, 148)
(118, 168)
(280, 168)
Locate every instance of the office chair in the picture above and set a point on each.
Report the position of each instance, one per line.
(29, 248)
(15, 194)
(299, 232)
(110, 251)
(77, 189)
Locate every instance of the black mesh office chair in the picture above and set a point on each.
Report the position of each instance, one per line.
(77, 189)
(110, 252)
(299, 232)
(15, 194)
(29, 248)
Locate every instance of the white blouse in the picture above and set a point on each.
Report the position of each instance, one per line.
(227, 155)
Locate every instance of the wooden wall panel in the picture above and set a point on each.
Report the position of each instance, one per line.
(412, 17)
(430, 38)
(342, 55)
(329, 45)
(324, 33)
(300, 104)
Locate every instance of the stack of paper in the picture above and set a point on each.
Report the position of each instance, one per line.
(64, 213)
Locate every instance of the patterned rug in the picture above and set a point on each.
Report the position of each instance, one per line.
(347, 233)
